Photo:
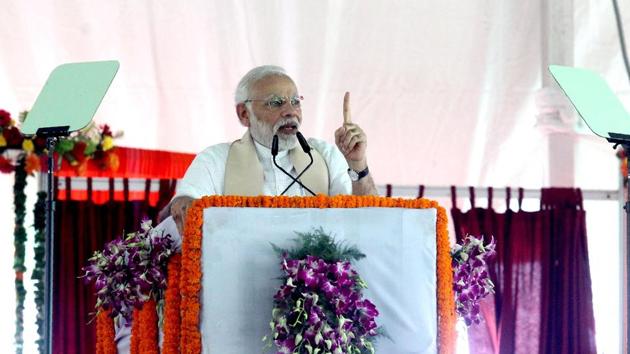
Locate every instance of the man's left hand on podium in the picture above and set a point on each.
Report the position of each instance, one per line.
(179, 208)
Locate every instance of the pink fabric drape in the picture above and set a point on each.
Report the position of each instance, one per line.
(543, 298)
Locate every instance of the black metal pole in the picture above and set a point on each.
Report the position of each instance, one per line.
(50, 244)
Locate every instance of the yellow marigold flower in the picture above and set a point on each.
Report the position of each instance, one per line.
(27, 145)
(3, 141)
(108, 143)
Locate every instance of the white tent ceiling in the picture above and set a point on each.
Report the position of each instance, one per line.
(444, 89)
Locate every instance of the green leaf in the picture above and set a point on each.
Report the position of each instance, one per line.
(64, 146)
(90, 148)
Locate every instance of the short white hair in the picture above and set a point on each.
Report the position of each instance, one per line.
(256, 74)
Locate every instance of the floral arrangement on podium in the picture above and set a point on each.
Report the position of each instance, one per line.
(320, 308)
(130, 271)
(471, 281)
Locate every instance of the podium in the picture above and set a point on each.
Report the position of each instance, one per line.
(221, 298)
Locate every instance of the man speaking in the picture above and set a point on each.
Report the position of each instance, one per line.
(270, 156)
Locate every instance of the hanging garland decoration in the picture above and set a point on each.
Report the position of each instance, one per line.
(39, 224)
(105, 329)
(19, 238)
(23, 155)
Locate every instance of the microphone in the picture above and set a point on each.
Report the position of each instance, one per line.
(307, 149)
(274, 146)
(274, 153)
(303, 143)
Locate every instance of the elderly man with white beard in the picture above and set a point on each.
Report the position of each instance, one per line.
(268, 103)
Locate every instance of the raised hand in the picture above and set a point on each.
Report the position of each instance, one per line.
(351, 139)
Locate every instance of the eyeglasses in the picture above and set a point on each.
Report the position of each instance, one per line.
(277, 102)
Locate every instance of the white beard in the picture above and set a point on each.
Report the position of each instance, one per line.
(263, 133)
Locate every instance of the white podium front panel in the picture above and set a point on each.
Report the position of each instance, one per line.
(241, 271)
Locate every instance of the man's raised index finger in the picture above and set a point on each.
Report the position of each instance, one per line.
(346, 109)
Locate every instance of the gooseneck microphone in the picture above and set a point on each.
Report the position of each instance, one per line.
(307, 149)
(274, 153)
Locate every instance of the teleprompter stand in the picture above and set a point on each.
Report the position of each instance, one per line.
(67, 103)
(606, 116)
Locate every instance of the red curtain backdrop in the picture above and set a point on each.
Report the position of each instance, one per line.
(543, 299)
(81, 227)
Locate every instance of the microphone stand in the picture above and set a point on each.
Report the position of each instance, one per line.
(307, 149)
(274, 153)
(297, 179)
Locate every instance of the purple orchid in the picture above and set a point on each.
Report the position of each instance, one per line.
(471, 281)
(129, 271)
(320, 307)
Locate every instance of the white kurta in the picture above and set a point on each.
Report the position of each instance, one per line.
(205, 175)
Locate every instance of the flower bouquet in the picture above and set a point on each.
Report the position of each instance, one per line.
(92, 142)
(471, 281)
(130, 271)
(319, 307)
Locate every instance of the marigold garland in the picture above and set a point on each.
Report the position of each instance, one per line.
(190, 280)
(144, 323)
(134, 345)
(172, 305)
(105, 334)
(149, 328)
(144, 332)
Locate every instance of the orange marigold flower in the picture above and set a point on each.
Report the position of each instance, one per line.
(32, 164)
(111, 161)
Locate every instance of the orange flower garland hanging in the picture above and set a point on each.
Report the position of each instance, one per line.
(144, 332)
(105, 334)
(172, 318)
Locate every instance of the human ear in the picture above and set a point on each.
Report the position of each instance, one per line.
(243, 114)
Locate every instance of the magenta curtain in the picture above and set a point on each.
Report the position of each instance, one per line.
(81, 227)
(543, 299)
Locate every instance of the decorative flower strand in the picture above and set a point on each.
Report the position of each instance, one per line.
(136, 332)
(149, 328)
(19, 238)
(39, 224)
(105, 334)
(172, 307)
